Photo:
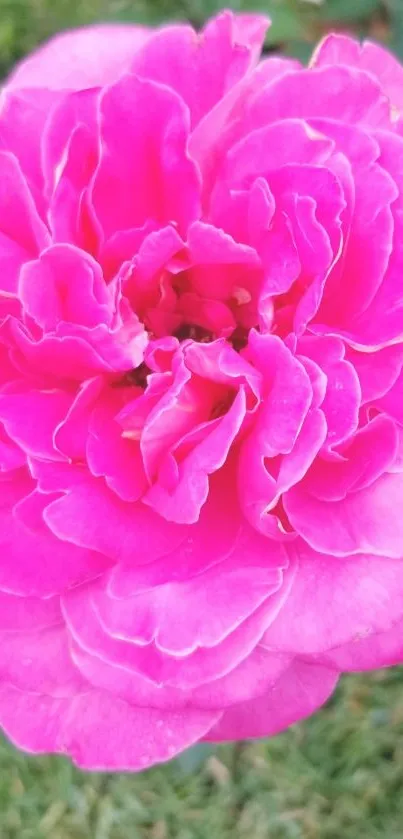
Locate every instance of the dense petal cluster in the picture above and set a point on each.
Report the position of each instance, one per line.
(201, 386)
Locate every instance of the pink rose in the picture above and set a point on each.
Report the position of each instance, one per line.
(201, 386)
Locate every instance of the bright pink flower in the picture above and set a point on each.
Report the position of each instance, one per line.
(201, 386)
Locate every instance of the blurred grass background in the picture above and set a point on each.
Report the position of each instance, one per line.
(338, 775)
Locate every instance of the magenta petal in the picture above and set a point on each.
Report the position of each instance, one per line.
(133, 738)
(286, 437)
(110, 454)
(144, 171)
(367, 456)
(340, 92)
(251, 678)
(84, 323)
(120, 530)
(28, 613)
(275, 145)
(180, 616)
(74, 110)
(364, 522)
(49, 296)
(368, 652)
(11, 456)
(182, 671)
(47, 666)
(339, 49)
(334, 601)
(75, 353)
(342, 397)
(31, 418)
(201, 385)
(214, 537)
(24, 113)
(22, 233)
(26, 544)
(392, 402)
(202, 68)
(182, 502)
(299, 691)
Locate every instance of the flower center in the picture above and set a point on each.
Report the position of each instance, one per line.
(199, 334)
(137, 377)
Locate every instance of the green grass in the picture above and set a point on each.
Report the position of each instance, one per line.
(339, 775)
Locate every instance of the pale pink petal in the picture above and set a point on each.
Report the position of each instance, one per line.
(81, 58)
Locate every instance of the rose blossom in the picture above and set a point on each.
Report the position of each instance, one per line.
(201, 387)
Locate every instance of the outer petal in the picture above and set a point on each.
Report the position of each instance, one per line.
(368, 652)
(40, 661)
(98, 731)
(80, 59)
(300, 690)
